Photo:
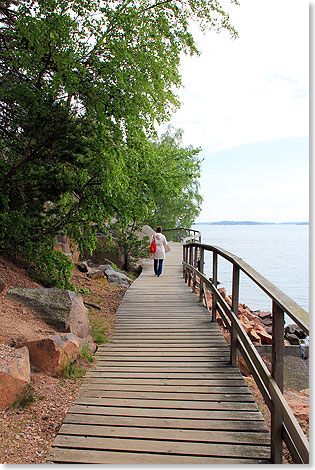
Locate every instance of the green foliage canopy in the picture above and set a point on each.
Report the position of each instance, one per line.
(82, 84)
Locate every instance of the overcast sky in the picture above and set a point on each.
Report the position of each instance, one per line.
(245, 102)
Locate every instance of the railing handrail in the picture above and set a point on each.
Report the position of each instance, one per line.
(284, 425)
(291, 308)
(183, 230)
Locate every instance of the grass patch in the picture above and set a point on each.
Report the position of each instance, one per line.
(27, 399)
(73, 370)
(85, 354)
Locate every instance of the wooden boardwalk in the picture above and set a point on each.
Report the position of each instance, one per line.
(163, 391)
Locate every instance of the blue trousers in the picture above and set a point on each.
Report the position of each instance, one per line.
(158, 264)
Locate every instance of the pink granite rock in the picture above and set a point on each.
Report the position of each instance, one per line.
(14, 374)
(50, 355)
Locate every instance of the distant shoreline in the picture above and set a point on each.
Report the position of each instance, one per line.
(246, 222)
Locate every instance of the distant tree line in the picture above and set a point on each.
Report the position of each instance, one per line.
(83, 84)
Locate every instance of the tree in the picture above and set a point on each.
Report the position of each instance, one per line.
(83, 83)
(179, 203)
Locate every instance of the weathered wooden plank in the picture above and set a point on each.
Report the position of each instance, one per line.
(162, 375)
(150, 395)
(167, 423)
(89, 385)
(169, 447)
(163, 434)
(167, 362)
(166, 404)
(171, 381)
(168, 413)
(86, 456)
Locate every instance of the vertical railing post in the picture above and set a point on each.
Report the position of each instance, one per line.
(184, 259)
(201, 261)
(277, 364)
(195, 265)
(215, 282)
(190, 262)
(235, 296)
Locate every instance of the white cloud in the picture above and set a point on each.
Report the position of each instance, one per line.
(251, 89)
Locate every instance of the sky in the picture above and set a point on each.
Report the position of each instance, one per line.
(246, 103)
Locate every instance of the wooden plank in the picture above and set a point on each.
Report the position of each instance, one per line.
(158, 433)
(168, 423)
(169, 447)
(151, 395)
(193, 381)
(86, 456)
(175, 389)
(167, 404)
(162, 375)
(225, 415)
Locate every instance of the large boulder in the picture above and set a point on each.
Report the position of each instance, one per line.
(15, 374)
(62, 309)
(116, 278)
(146, 231)
(293, 329)
(51, 355)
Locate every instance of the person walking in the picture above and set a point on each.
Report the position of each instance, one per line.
(161, 247)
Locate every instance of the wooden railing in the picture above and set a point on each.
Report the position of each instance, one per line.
(182, 235)
(284, 425)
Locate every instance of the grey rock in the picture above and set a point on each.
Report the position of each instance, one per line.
(62, 309)
(98, 273)
(83, 267)
(116, 278)
(293, 339)
(294, 329)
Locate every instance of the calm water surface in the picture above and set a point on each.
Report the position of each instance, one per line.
(278, 252)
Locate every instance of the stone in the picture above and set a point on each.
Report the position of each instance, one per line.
(2, 284)
(51, 355)
(294, 329)
(293, 339)
(264, 336)
(15, 374)
(267, 321)
(228, 300)
(97, 274)
(263, 315)
(243, 367)
(83, 267)
(254, 337)
(222, 291)
(116, 278)
(62, 309)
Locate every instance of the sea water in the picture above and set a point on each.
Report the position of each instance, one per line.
(279, 252)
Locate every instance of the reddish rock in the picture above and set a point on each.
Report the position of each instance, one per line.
(249, 314)
(264, 336)
(267, 321)
(228, 300)
(247, 327)
(222, 291)
(14, 374)
(263, 315)
(50, 355)
(254, 337)
(243, 366)
(220, 321)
